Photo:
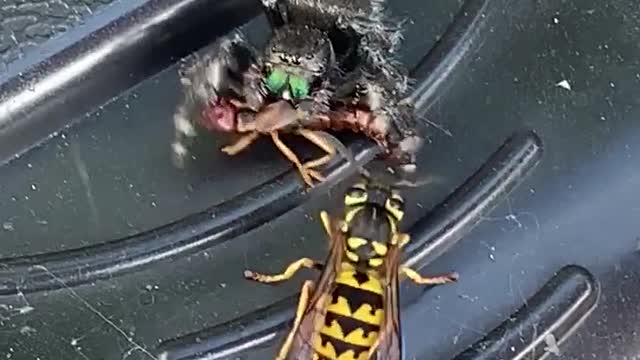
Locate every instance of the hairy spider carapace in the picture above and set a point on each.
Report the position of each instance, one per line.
(328, 65)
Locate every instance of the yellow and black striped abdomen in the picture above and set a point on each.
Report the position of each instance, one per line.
(353, 318)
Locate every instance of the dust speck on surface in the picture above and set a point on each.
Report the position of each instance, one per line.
(564, 84)
(27, 330)
(8, 226)
(552, 345)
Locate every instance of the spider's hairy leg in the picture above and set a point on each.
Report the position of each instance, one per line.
(275, 11)
(318, 106)
(184, 131)
(253, 90)
(271, 4)
(203, 78)
(393, 118)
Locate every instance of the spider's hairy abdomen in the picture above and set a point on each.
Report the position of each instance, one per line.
(297, 40)
(325, 13)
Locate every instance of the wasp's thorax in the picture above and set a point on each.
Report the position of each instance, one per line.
(372, 219)
(297, 57)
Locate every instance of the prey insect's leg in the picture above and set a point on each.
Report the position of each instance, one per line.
(321, 143)
(303, 302)
(306, 174)
(291, 270)
(423, 280)
(241, 143)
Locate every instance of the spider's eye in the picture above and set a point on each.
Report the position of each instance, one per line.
(299, 87)
(276, 81)
(309, 56)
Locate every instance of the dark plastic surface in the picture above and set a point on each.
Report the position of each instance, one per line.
(544, 321)
(84, 69)
(566, 70)
(28, 23)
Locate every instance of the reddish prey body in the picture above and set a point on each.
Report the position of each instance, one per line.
(227, 115)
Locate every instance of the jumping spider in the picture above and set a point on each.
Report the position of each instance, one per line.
(322, 55)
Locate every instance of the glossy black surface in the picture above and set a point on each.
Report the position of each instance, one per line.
(84, 69)
(566, 70)
(543, 322)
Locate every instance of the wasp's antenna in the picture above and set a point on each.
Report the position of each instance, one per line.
(391, 179)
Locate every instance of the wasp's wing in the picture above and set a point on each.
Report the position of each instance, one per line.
(313, 316)
(388, 345)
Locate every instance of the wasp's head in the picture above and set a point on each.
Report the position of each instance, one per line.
(372, 218)
(297, 58)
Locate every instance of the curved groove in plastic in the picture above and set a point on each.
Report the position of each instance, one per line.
(456, 216)
(199, 231)
(211, 227)
(45, 92)
(491, 183)
(557, 309)
(465, 35)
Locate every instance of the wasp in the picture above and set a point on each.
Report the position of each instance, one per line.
(322, 57)
(352, 312)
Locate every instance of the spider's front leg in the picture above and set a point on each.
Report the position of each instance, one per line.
(394, 121)
(205, 78)
(254, 91)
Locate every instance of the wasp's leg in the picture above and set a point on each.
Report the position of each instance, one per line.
(291, 270)
(327, 222)
(432, 280)
(303, 302)
(307, 174)
(241, 143)
(331, 225)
